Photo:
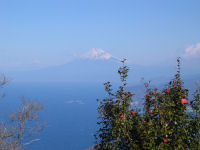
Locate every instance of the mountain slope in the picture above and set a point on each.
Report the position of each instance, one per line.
(96, 70)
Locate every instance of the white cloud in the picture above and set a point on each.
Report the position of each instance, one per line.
(192, 51)
(98, 53)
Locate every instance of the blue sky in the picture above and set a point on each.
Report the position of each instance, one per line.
(52, 32)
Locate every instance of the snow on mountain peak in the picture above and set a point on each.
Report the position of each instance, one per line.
(97, 53)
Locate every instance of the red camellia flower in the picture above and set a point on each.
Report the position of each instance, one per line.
(148, 95)
(165, 140)
(122, 116)
(150, 111)
(167, 91)
(174, 86)
(184, 101)
(132, 112)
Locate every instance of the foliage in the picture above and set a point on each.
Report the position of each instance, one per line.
(169, 120)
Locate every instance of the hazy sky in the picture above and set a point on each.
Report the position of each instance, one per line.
(51, 32)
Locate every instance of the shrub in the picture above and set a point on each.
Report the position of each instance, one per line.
(169, 119)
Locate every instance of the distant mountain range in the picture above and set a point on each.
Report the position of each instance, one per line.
(79, 70)
(97, 70)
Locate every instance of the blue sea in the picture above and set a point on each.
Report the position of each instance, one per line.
(70, 111)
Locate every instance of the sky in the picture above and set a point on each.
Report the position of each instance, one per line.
(53, 32)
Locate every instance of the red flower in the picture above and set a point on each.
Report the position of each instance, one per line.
(148, 95)
(174, 81)
(150, 111)
(122, 116)
(125, 92)
(174, 85)
(132, 112)
(165, 140)
(167, 91)
(184, 101)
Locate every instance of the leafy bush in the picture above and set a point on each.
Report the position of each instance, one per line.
(169, 120)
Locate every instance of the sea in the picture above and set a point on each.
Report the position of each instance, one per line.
(70, 112)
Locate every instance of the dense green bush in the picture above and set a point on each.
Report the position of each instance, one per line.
(169, 120)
